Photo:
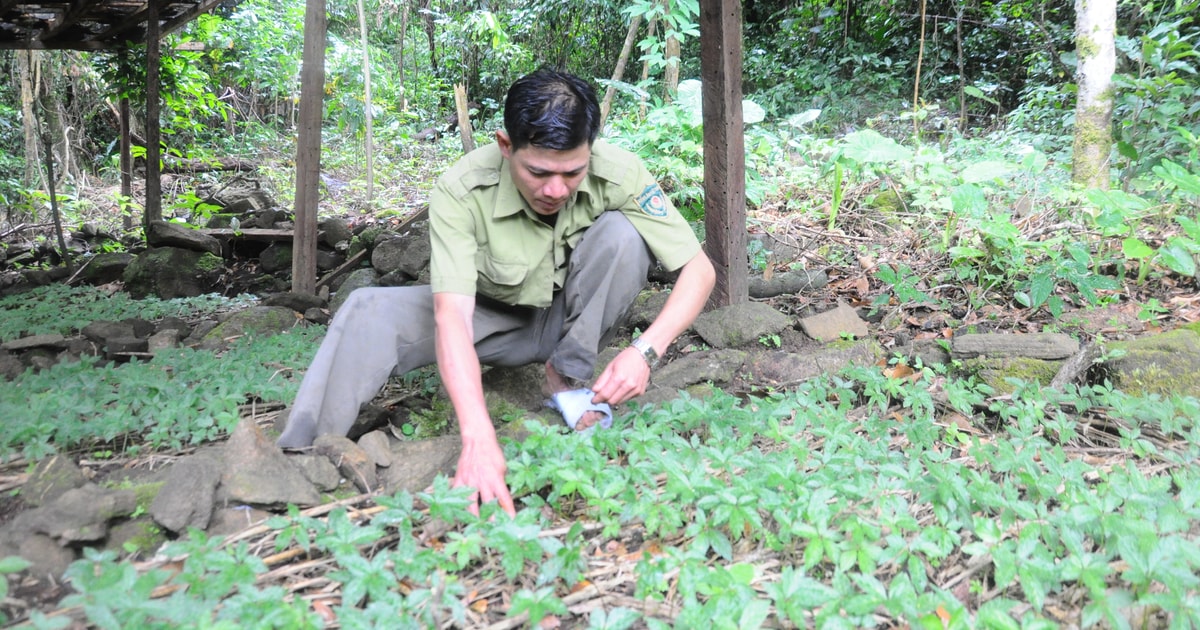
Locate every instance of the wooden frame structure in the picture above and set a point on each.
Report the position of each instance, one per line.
(119, 24)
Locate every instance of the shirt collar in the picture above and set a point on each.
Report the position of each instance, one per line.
(509, 200)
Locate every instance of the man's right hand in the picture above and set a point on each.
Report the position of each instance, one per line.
(482, 467)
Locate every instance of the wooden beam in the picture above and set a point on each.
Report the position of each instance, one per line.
(153, 207)
(724, 149)
(308, 149)
(126, 156)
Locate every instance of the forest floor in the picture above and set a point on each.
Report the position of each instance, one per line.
(851, 254)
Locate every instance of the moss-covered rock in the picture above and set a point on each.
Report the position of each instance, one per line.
(1164, 364)
(999, 372)
(172, 272)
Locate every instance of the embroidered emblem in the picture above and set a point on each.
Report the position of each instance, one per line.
(652, 201)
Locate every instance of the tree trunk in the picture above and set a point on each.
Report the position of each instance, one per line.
(671, 72)
(25, 69)
(1095, 34)
(400, 57)
(917, 80)
(619, 71)
(368, 114)
(463, 111)
(646, 66)
(430, 33)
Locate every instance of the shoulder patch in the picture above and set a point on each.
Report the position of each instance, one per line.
(652, 201)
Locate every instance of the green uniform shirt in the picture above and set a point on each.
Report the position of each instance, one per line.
(487, 240)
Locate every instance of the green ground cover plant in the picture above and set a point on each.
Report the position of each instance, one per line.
(859, 500)
(181, 397)
(62, 309)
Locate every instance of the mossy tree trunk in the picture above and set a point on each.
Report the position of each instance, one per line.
(1095, 33)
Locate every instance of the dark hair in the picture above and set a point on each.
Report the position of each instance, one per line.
(551, 110)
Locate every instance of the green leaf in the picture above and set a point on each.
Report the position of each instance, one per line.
(987, 171)
(1175, 174)
(1040, 288)
(1135, 249)
(12, 564)
(1176, 256)
(871, 147)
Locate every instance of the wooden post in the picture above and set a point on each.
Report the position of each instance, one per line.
(308, 149)
(126, 162)
(724, 149)
(153, 207)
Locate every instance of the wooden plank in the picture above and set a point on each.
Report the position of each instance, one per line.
(308, 149)
(724, 149)
(253, 234)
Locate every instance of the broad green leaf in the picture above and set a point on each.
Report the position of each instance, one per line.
(870, 147)
(988, 171)
(1173, 173)
(968, 199)
(972, 91)
(1135, 249)
(1178, 258)
(804, 117)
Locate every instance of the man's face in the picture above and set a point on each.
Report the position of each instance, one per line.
(545, 177)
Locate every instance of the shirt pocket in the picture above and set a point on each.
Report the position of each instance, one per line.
(501, 279)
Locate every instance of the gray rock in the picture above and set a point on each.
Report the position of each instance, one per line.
(299, 302)
(716, 366)
(356, 279)
(174, 323)
(141, 327)
(408, 254)
(739, 324)
(173, 272)
(231, 520)
(254, 321)
(789, 282)
(258, 473)
(101, 331)
(787, 369)
(1167, 364)
(335, 230)
(646, 308)
(319, 470)
(10, 366)
(835, 324)
(48, 558)
(78, 515)
(1048, 346)
(105, 267)
(162, 340)
(328, 261)
(187, 496)
(276, 257)
(417, 463)
(376, 444)
(125, 345)
(350, 459)
(170, 234)
(56, 342)
(50, 479)
(317, 316)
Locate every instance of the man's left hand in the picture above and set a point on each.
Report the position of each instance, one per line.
(625, 377)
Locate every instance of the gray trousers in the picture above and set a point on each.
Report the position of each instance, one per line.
(384, 331)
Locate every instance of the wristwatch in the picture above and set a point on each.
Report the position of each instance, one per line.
(647, 350)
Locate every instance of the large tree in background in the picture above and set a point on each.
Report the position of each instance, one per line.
(1095, 37)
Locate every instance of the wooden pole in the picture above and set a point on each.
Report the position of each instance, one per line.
(724, 152)
(308, 149)
(153, 207)
(125, 151)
